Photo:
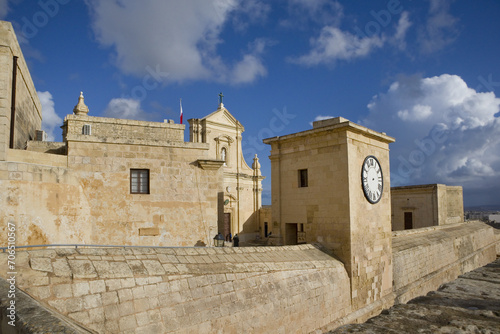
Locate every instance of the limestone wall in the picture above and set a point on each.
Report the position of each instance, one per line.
(85, 197)
(103, 127)
(454, 205)
(426, 258)
(242, 184)
(292, 289)
(47, 147)
(28, 108)
(420, 201)
(330, 208)
(430, 205)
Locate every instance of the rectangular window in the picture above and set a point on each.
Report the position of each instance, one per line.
(303, 178)
(139, 181)
(87, 130)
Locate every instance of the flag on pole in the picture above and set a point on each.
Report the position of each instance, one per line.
(181, 111)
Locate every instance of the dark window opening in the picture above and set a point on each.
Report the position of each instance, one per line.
(303, 178)
(408, 220)
(139, 181)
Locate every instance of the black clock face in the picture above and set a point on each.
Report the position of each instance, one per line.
(372, 179)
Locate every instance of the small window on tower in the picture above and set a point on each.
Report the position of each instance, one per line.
(87, 130)
(303, 178)
(139, 181)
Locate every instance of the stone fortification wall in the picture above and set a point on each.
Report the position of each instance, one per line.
(28, 108)
(291, 289)
(454, 204)
(27, 316)
(426, 258)
(47, 147)
(125, 129)
(85, 197)
(429, 205)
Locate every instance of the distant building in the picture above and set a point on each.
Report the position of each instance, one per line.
(494, 218)
(476, 215)
(426, 205)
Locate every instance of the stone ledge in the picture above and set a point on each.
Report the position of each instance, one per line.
(466, 305)
(32, 317)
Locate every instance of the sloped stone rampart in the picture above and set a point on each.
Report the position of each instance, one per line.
(29, 316)
(189, 290)
(426, 258)
(467, 305)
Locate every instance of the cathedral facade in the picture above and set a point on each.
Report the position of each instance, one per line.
(242, 186)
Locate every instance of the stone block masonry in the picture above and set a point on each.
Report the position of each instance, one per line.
(426, 258)
(189, 290)
(467, 305)
(31, 317)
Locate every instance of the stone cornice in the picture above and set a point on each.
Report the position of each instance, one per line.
(207, 164)
(346, 126)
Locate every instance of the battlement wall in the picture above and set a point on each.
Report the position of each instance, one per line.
(112, 129)
(426, 258)
(27, 107)
(196, 290)
(86, 196)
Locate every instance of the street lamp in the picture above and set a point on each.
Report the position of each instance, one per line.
(219, 240)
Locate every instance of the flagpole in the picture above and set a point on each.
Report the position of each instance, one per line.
(181, 111)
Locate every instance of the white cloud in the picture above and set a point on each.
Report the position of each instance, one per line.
(445, 132)
(249, 69)
(404, 24)
(320, 118)
(417, 113)
(125, 108)
(440, 29)
(334, 44)
(50, 120)
(180, 38)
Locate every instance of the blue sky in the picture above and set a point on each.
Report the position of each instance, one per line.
(424, 72)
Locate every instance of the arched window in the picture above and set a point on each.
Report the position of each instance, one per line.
(223, 155)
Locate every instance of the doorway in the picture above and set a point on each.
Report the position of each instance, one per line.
(408, 220)
(227, 224)
(291, 234)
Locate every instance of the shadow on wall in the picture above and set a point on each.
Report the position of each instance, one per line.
(200, 243)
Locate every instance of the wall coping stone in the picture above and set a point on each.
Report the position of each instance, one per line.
(32, 317)
(423, 230)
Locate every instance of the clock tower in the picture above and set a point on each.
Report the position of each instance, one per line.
(331, 185)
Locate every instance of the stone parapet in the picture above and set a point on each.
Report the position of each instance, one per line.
(39, 158)
(424, 259)
(157, 290)
(466, 305)
(29, 316)
(120, 130)
(47, 147)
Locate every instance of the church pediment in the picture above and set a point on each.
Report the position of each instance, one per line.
(223, 117)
